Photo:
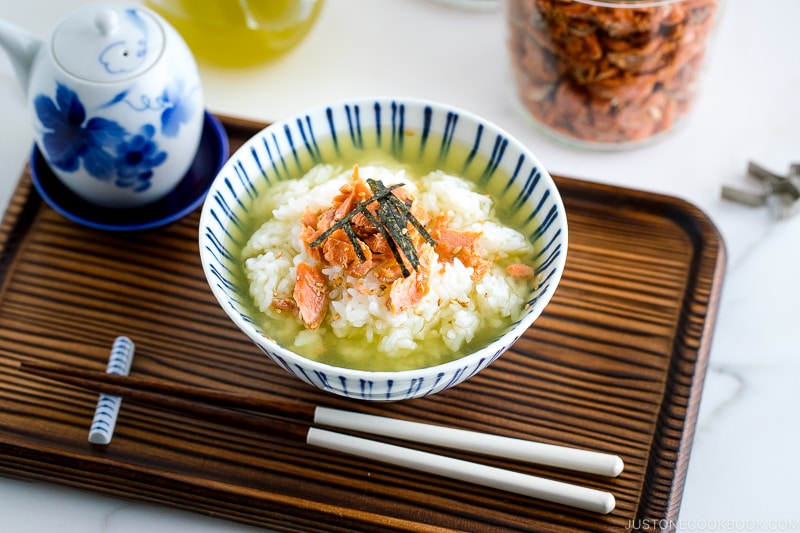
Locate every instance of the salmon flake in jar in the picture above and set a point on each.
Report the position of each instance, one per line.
(608, 73)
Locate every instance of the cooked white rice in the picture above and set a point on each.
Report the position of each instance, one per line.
(454, 310)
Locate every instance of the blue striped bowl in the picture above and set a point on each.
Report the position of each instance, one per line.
(405, 128)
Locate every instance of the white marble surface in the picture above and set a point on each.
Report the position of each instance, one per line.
(743, 469)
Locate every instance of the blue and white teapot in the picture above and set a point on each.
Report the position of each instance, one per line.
(116, 102)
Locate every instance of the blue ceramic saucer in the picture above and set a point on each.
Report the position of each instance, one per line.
(185, 198)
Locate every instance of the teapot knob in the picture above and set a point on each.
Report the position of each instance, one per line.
(106, 21)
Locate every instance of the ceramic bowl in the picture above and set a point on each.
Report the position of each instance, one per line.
(402, 128)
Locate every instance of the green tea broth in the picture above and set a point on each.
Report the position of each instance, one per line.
(417, 160)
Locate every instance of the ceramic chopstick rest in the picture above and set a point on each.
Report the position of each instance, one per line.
(108, 406)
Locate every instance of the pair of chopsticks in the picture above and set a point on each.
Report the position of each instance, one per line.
(297, 421)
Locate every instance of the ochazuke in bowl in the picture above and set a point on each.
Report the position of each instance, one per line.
(304, 212)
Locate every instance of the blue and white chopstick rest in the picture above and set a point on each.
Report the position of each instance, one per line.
(108, 406)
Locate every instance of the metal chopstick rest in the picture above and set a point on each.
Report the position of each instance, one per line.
(105, 414)
(781, 193)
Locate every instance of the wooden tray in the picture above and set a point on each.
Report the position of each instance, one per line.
(616, 363)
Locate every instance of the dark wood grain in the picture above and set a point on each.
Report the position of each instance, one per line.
(157, 391)
(616, 364)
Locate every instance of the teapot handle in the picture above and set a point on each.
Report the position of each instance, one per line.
(21, 47)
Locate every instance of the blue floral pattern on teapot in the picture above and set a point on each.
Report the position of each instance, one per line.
(103, 146)
(106, 150)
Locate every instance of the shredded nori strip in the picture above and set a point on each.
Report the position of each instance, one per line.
(390, 242)
(404, 208)
(355, 241)
(394, 215)
(360, 207)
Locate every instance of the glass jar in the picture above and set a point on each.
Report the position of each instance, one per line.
(238, 33)
(607, 73)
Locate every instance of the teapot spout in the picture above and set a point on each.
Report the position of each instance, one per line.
(21, 47)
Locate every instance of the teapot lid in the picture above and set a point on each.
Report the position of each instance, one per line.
(108, 43)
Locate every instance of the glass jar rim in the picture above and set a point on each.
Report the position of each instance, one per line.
(629, 4)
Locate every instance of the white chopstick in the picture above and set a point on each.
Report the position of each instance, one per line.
(495, 445)
(516, 482)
